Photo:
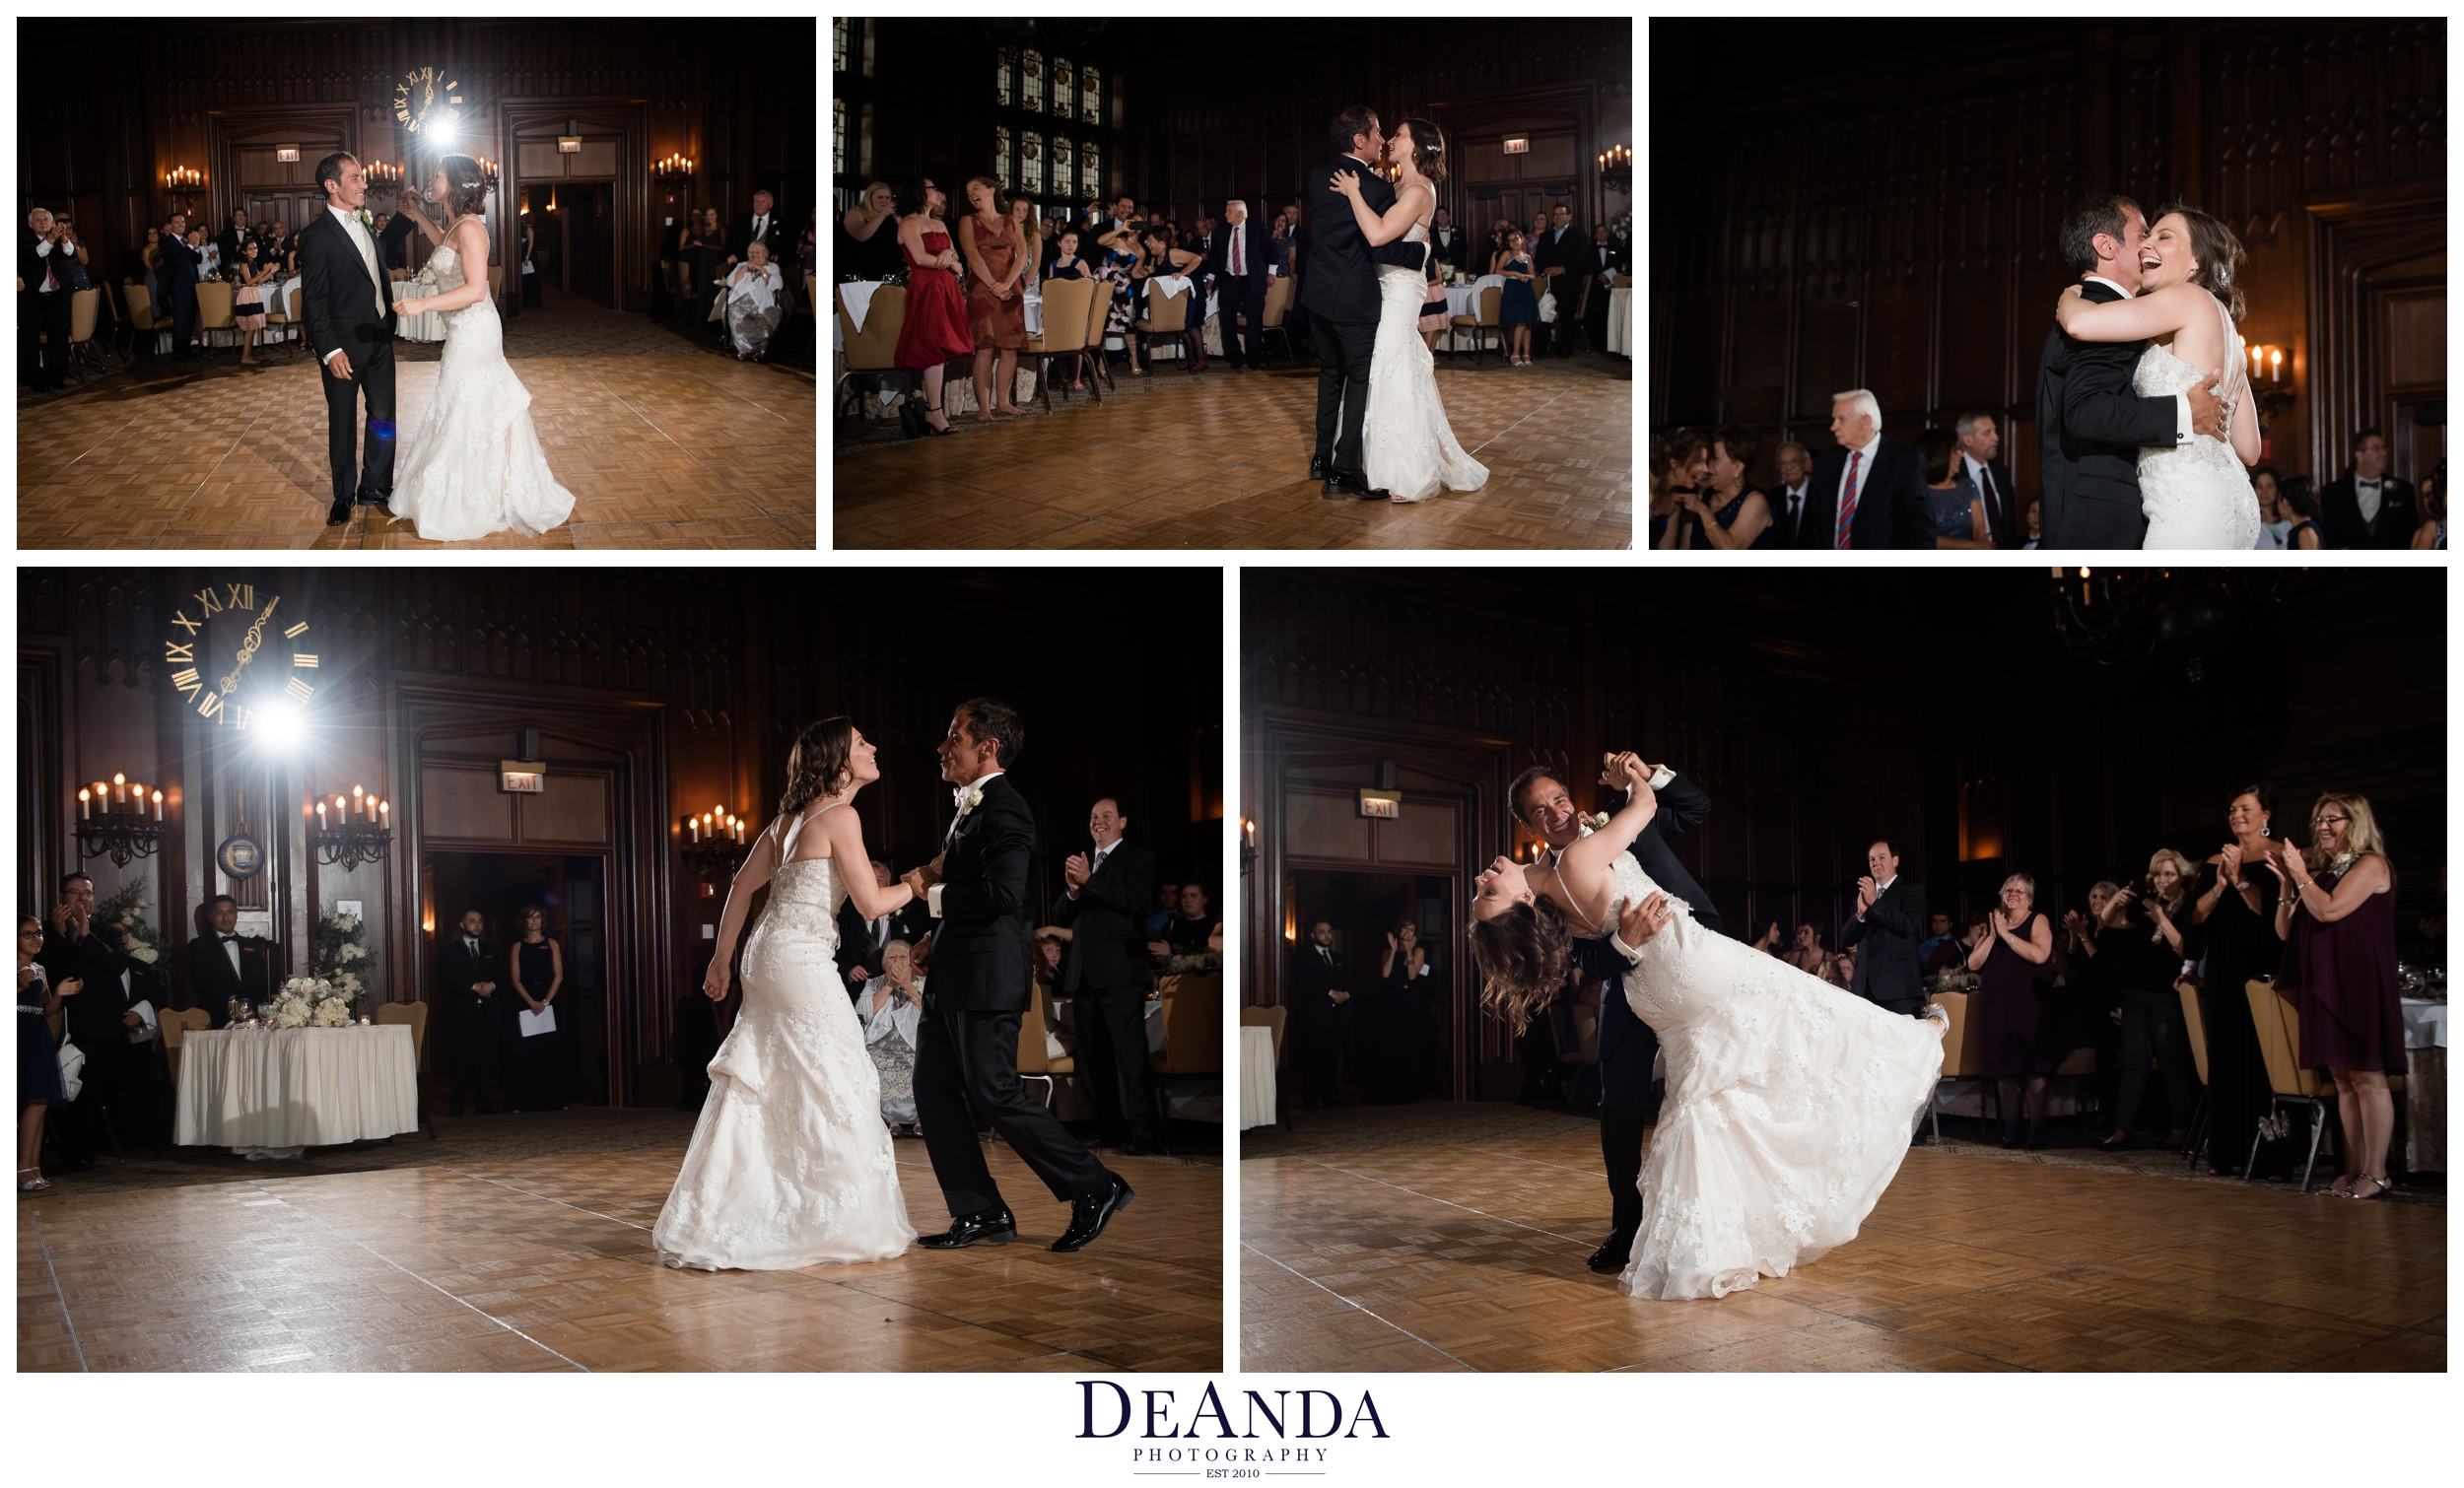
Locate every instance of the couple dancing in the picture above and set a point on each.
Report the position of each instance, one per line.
(477, 467)
(1790, 1101)
(2142, 446)
(1363, 285)
(790, 1165)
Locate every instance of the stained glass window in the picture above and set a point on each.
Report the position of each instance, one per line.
(1005, 61)
(839, 44)
(1034, 67)
(1091, 168)
(1064, 91)
(837, 153)
(1000, 155)
(1091, 82)
(1064, 164)
(1031, 162)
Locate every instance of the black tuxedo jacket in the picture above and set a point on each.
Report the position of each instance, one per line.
(775, 235)
(1682, 806)
(1887, 974)
(228, 240)
(1341, 278)
(981, 955)
(1457, 252)
(2001, 510)
(1783, 533)
(1108, 922)
(1257, 255)
(2089, 428)
(336, 300)
(1312, 978)
(389, 242)
(458, 971)
(94, 1015)
(212, 984)
(179, 269)
(856, 946)
(1570, 250)
(2340, 516)
(1893, 510)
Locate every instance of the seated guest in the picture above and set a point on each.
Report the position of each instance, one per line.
(891, 1009)
(2295, 494)
(1052, 943)
(866, 245)
(1679, 463)
(862, 942)
(2272, 523)
(2433, 534)
(209, 257)
(1938, 933)
(1840, 970)
(1806, 955)
(1786, 500)
(2036, 524)
(1065, 262)
(1191, 942)
(755, 290)
(1162, 261)
(224, 965)
(1448, 243)
(1958, 507)
(1731, 516)
(1167, 910)
(2368, 507)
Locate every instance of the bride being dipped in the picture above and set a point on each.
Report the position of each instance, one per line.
(476, 466)
(790, 1165)
(1790, 1101)
(2196, 494)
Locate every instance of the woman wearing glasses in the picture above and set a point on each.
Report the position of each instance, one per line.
(2337, 915)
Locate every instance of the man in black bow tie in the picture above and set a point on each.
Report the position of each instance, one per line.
(224, 964)
(467, 979)
(2368, 507)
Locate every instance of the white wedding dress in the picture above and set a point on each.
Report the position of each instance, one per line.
(2197, 495)
(1790, 1103)
(1407, 447)
(791, 1163)
(474, 466)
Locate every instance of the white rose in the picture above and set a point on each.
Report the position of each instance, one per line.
(143, 953)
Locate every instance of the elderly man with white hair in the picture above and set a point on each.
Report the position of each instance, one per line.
(1868, 493)
(43, 252)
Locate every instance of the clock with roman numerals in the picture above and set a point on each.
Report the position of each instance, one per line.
(233, 651)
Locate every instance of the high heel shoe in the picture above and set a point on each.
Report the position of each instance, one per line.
(2384, 1187)
(930, 429)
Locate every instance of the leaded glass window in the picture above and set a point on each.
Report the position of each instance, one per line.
(1034, 82)
(1031, 162)
(838, 42)
(1091, 83)
(1002, 158)
(1091, 168)
(1064, 91)
(837, 151)
(1005, 62)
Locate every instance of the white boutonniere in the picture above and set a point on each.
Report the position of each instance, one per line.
(1599, 820)
(975, 798)
(366, 218)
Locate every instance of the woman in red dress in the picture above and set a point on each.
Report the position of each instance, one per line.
(935, 328)
(996, 262)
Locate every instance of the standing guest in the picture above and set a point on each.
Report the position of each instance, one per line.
(467, 979)
(209, 256)
(2295, 496)
(1938, 941)
(247, 309)
(891, 1009)
(808, 242)
(704, 251)
(1116, 255)
(2141, 930)
(224, 965)
(2237, 934)
(38, 1084)
(1979, 440)
(867, 240)
(395, 230)
(2023, 1034)
(528, 266)
(179, 283)
(152, 257)
(1031, 235)
(759, 226)
(1958, 508)
(537, 965)
(100, 1020)
(863, 943)
(2337, 915)
(1600, 266)
(2035, 525)
(1889, 923)
(1449, 244)
(2368, 507)
(1730, 516)
(756, 302)
(1868, 493)
(2273, 523)
(1518, 308)
(43, 301)
(1768, 942)
(1103, 905)
(2431, 535)
(227, 242)
(2091, 999)
(1242, 266)
(1321, 1015)
(935, 328)
(1806, 954)
(1405, 983)
(1162, 260)
(1786, 500)
(997, 307)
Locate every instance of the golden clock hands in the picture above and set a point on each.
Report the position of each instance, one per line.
(247, 646)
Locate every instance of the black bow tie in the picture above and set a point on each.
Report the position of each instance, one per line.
(227, 939)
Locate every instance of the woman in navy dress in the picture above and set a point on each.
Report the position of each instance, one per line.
(39, 1086)
(1518, 310)
(538, 1073)
(2020, 1035)
(1958, 507)
(1729, 514)
(2337, 915)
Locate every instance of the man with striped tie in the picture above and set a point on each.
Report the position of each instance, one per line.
(1868, 493)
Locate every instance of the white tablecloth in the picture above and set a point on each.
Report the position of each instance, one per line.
(857, 295)
(429, 328)
(1621, 322)
(1256, 1076)
(275, 1093)
(2424, 1024)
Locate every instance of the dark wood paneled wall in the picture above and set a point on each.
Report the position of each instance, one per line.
(683, 688)
(139, 97)
(1893, 224)
(1835, 708)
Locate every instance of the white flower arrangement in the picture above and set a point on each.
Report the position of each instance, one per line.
(144, 954)
(428, 276)
(312, 1002)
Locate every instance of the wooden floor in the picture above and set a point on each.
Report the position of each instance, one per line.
(1221, 461)
(546, 1264)
(1456, 1257)
(682, 450)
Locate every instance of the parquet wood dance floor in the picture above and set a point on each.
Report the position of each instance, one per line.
(546, 1264)
(1221, 461)
(1472, 1258)
(659, 451)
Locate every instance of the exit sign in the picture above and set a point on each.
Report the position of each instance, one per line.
(1386, 804)
(1517, 145)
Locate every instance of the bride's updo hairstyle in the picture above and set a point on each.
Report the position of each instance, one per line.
(465, 189)
(1522, 953)
(818, 764)
(1428, 149)
(2219, 251)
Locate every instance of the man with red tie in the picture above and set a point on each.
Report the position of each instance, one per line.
(1868, 493)
(1238, 255)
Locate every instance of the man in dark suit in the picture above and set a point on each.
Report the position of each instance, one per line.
(44, 254)
(1889, 923)
(1627, 1045)
(99, 1018)
(2368, 507)
(1320, 1016)
(762, 225)
(1451, 245)
(1789, 499)
(350, 320)
(1339, 291)
(967, 1045)
(178, 283)
(466, 984)
(1562, 255)
(1241, 261)
(228, 240)
(1979, 439)
(1104, 971)
(224, 964)
(2090, 425)
(1878, 487)
(861, 941)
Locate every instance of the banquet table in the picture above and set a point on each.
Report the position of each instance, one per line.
(427, 328)
(1621, 322)
(275, 1093)
(2426, 1086)
(1256, 1076)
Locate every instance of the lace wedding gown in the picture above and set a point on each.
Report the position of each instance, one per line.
(791, 1163)
(1790, 1103)
(475, 465)
(2196, 495)
(1406, 445)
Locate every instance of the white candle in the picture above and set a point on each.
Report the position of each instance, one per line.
(358, 808)
(119, 790)
(85, 808)
(321, 816)
(158, 806)
(384, 814)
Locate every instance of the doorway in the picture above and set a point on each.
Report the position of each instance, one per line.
(575, 225)
(572, 889)
(1363, 908)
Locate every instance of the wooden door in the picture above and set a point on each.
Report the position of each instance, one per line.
(2412, 354)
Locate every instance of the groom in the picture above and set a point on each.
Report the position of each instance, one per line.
(2091, 426)
(1339, 291)
(350, 320)
(966, 1046)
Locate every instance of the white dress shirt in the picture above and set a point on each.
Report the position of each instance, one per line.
(1793, 501)
(933, 895)
(2367, 494)
(2181, 400)
(230, 948)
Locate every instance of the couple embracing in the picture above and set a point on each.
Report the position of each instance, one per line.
(1382, 430)
(790, 1165)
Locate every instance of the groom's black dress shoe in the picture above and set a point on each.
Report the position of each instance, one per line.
(1613, 1253)
(1347, 482)
(993, 1226)
(338, 514)
(1088, 1216)
(1317, 469)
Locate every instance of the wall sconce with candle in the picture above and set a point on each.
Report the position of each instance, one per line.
(2268, 388)
(1617, 166)
(714, 842)
(358, 830)
(118, 819)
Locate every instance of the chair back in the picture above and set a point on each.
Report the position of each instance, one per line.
(1099, 310)
(175, 1023)
(416, 1015)
(1963, 1043)
(1172, 315)
(214, 306)
(397, 276)
(2279, 1042)
(1064, 314)
(83, 306)
(1272, 1020)
(294, 297)
(2195, 1026)
(495, 279)
(1192, 1025)
(140, 308)
(875, 348)
(1624, 282)
(1489, 301)
(1279, 302)
(1035, 1052)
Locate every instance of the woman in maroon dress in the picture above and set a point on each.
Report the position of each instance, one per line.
(2010, 959)
(997, 307)
(2337, 920)
(935, 328)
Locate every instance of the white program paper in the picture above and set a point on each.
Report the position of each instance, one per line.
(540, 1022)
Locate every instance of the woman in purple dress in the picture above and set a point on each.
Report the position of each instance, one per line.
(2337, 916)
(2012, 959)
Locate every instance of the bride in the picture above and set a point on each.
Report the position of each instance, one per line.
(2196, 495)
(790, 1165)
(1790, 1101)
(1406, 445)
(476, 467)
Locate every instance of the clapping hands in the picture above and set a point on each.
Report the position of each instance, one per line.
(1076, 871)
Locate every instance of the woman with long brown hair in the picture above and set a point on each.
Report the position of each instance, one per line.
(996, 305)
